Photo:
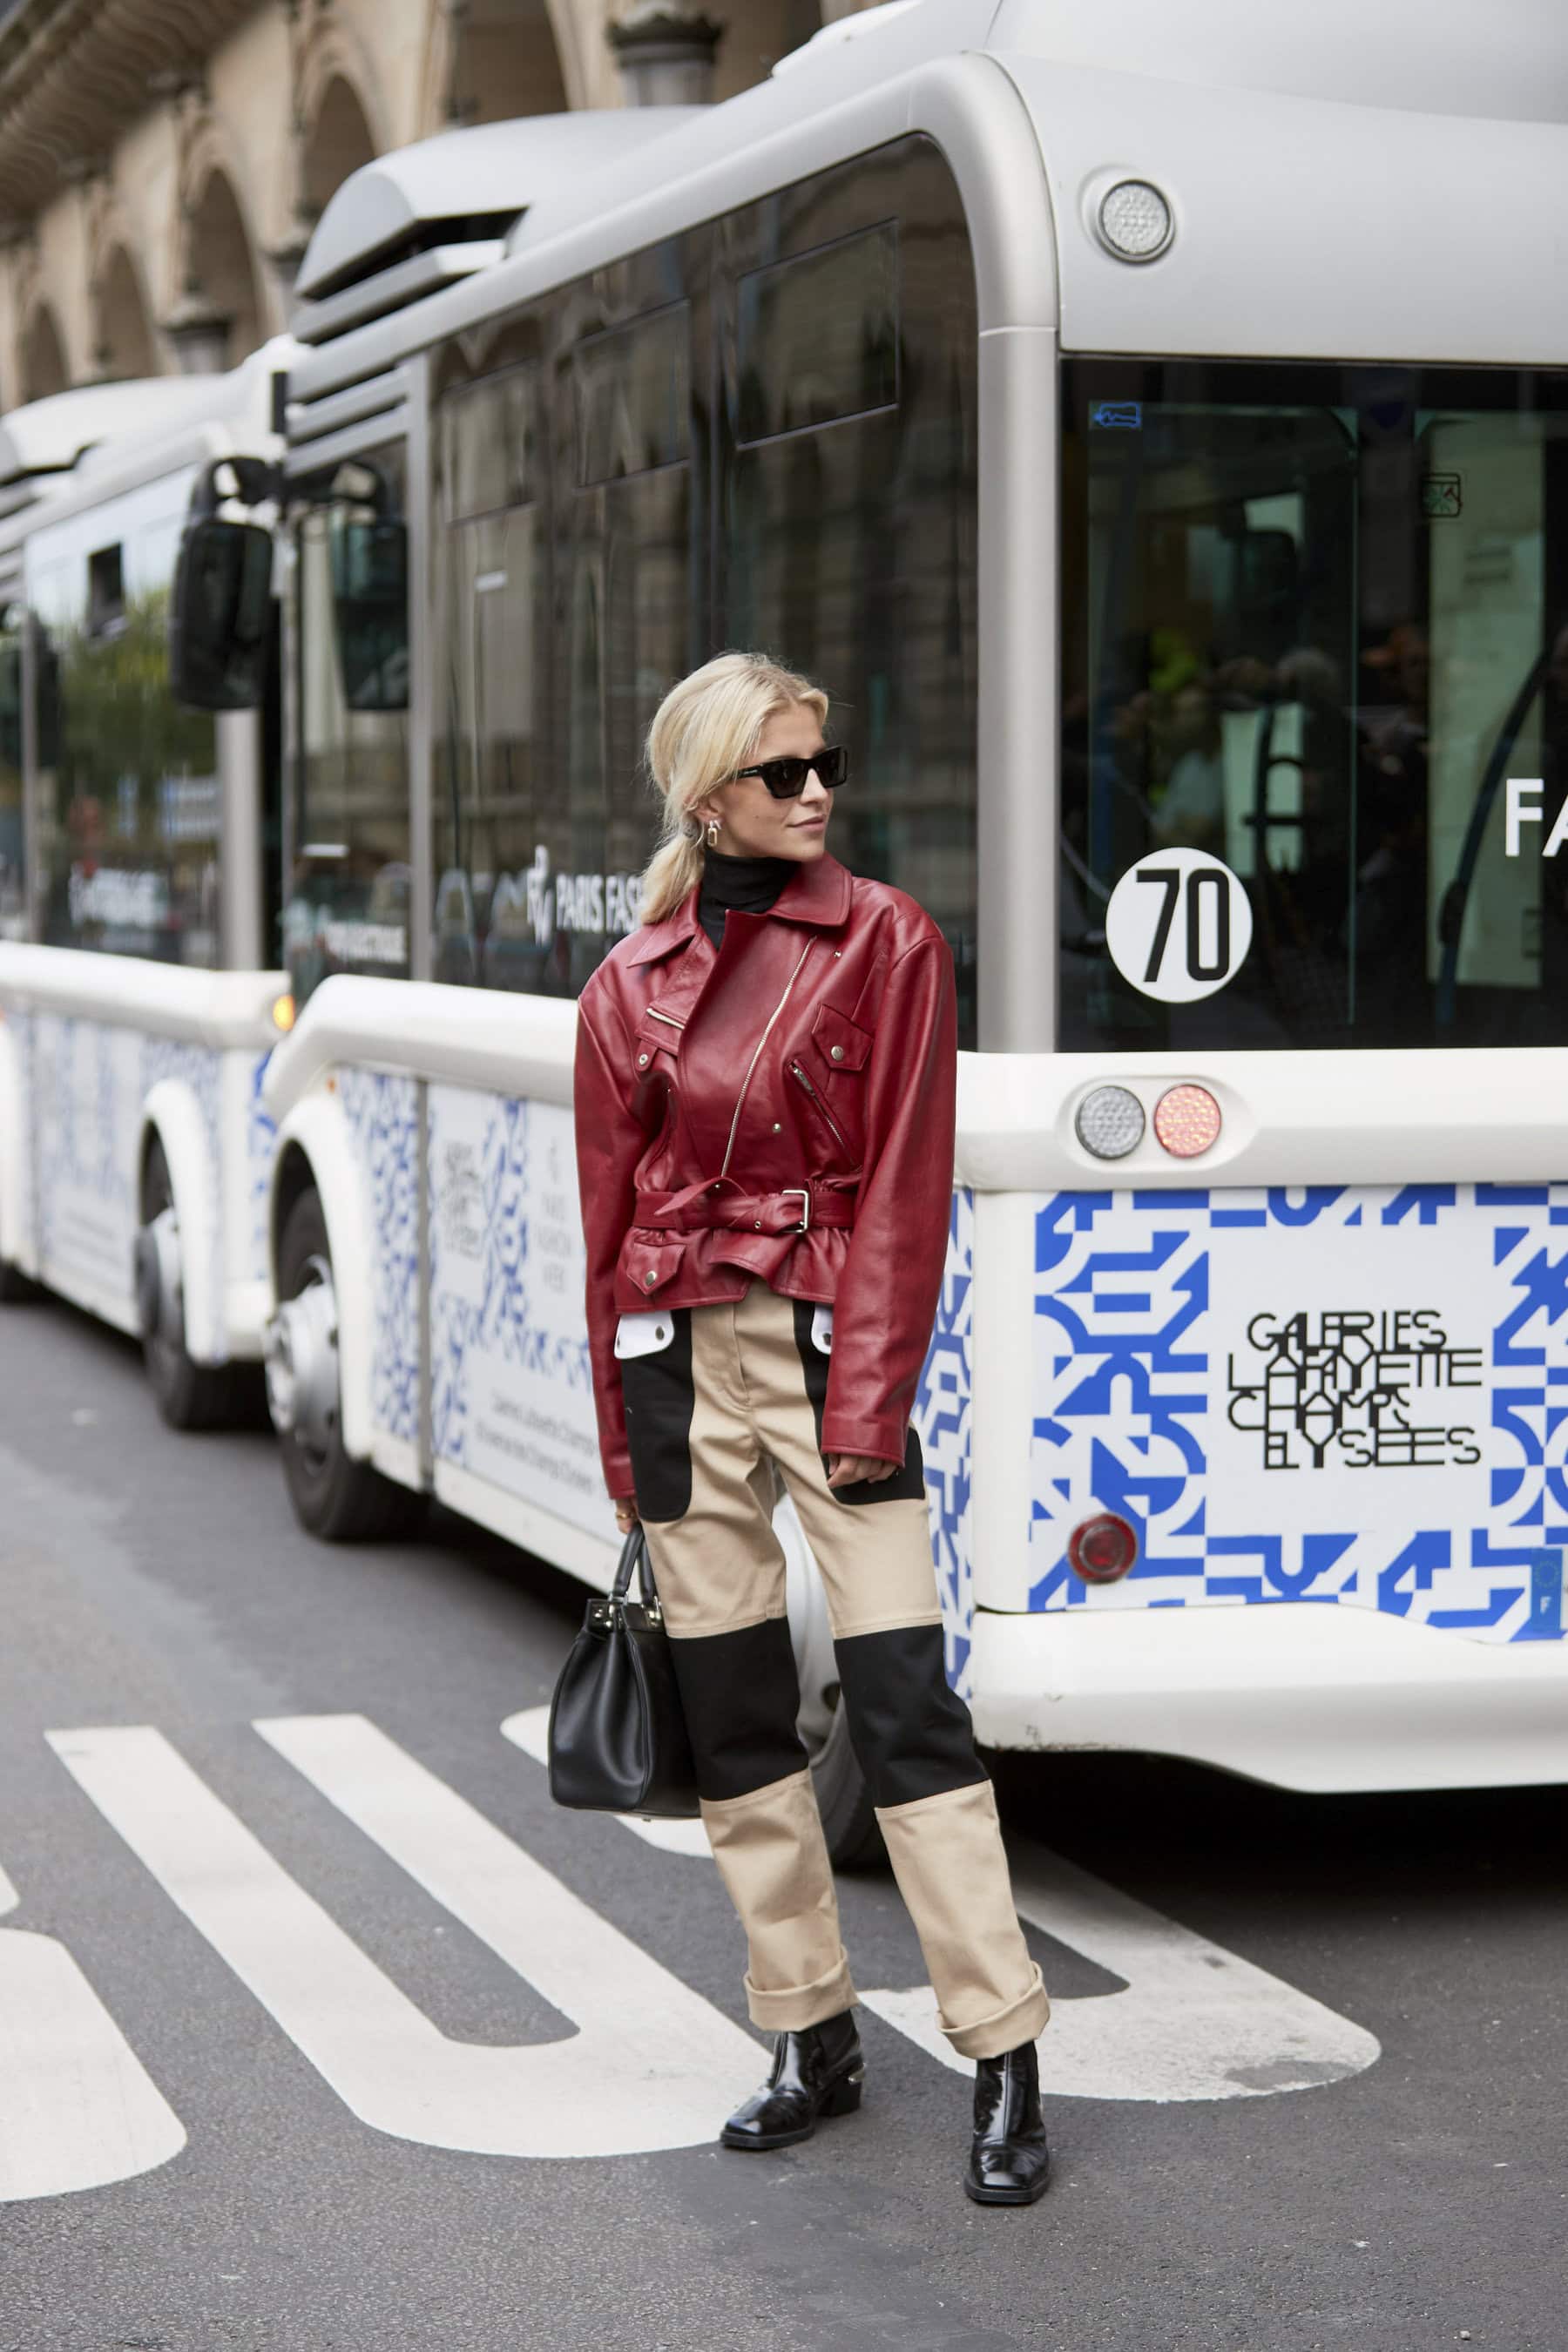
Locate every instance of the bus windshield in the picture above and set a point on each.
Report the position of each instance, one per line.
(1316, 624)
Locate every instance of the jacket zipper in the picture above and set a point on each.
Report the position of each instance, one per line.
(796, 1072)
(654, 1015)
(751, 1065)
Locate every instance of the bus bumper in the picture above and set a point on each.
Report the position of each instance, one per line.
(1298, 1694)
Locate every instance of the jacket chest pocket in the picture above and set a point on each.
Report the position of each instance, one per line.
(838, 1044)
(830, 1070)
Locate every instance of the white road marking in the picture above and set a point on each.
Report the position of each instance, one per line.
(529, 1731)
(1193, 2022)
(652, 2066)
(77, 2108)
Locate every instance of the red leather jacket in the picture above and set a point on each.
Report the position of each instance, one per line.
(779, 1108)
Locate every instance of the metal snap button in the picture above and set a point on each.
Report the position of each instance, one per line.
(836, 1052)
(642, 1060)
(758, 1223)
(777, 1125)
(648, 1280)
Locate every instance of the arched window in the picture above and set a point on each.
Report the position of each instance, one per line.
(43, 356)
(504, 62)
(340, 141)
(125, 342)
(222, 266)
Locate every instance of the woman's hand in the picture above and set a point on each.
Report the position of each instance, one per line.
(848, 1469)
(626, 1514)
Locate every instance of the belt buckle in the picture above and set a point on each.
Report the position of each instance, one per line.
(784, 1192)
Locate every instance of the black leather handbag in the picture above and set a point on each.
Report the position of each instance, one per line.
(617, 1734)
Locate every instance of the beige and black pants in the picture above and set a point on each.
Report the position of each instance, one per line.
(714, 1396)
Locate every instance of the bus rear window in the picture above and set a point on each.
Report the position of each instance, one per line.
(1315, 625)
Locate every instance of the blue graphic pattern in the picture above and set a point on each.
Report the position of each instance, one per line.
(1131, 1400)
(260, 1140)
(76, 1122)
(382, 1111)
(87, 1083)
(495, 1310)
(941, 1416)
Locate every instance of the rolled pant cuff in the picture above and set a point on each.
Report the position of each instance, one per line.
(792, 2011)
(1022, 2020)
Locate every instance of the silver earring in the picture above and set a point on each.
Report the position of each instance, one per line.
(712, 833)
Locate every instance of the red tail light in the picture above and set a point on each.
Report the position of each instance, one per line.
(1102, 1549)
(1188, 1122)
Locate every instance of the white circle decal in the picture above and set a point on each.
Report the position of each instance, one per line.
(1178, 925)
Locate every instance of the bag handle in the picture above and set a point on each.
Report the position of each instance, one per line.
(634, 1554)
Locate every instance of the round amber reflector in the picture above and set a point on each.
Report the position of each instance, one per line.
(283, 1013)
(1102, 1549)
(1188, 1122)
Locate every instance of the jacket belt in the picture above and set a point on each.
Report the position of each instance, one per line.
(721, 1205)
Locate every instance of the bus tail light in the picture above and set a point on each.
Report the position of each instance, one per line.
(1102, 1549)
(1188, 1122)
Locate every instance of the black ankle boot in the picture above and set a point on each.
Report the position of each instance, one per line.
(1009, 2163)
(816, 2071)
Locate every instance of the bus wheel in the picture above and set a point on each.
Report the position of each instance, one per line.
(334, 1496)
(849, 1820)
(189, 1395)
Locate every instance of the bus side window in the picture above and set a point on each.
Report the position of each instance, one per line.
(818, 336)
(633, 605)
(846, 498)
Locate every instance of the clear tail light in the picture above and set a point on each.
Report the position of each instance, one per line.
(1110, 1122)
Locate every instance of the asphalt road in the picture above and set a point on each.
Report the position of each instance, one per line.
(242, 1925)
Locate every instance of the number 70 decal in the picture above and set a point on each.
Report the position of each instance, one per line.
(1178, 925)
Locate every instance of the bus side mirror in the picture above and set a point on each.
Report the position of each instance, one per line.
(370, 607)
(220, 614)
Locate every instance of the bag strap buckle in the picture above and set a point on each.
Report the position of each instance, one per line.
(786, 1192)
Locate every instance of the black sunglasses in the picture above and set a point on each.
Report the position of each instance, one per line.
(785, 778)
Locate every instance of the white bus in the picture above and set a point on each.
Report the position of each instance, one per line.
(1165, 470)
(138, 855)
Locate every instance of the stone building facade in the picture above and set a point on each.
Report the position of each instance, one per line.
(161, 162)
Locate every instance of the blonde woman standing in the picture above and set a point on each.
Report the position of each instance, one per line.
(765, 1101)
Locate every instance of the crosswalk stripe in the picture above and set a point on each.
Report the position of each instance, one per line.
(77, 2109)
(651, 2066)
(1194, 2021)
(530, 1731)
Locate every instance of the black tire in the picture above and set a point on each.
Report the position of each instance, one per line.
(188, 1395)
(15, 1290)
(334, 1496)
(849, 1819)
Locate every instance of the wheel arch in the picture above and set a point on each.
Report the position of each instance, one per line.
(314, 1152)
(171, 1117)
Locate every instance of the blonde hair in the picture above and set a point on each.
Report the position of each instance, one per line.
(704, 729)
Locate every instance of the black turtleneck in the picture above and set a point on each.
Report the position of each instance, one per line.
(749, 884)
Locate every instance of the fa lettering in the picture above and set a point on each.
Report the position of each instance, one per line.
(1522, 791)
